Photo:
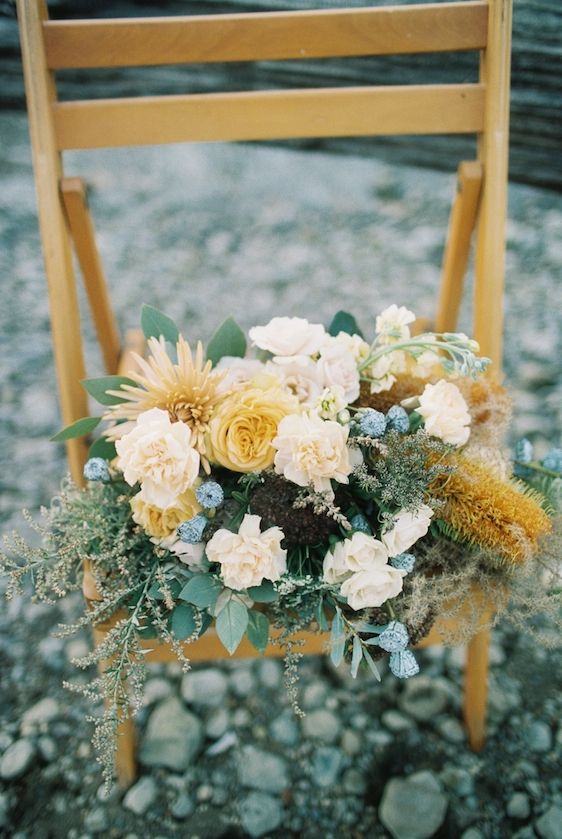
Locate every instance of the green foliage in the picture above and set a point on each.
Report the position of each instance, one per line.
(337, 639)
(258, 630)
(77, 429)
(264, 593)
(98, 388)
(344, 322)
(156, 324)
(102, 447)
(183, 622)
(231, 624)
(228, 339)
(202, 591)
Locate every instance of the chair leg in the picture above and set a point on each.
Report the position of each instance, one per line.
(476, 689)
(126, 753)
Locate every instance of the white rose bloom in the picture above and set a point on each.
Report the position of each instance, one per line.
(249, 556)
(330, 402)
(354, 344)
(369, 589)
(311, 451)
(445, 413)
(191, 555)
(300, 375)
(360, 553)
(339, 367)
(158, 454)
(392, 324)
(407, 528)
(239, 371)
(289, 336)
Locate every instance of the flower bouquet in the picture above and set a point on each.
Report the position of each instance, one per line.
(317, 481)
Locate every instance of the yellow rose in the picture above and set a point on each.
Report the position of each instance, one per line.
(159, 523)
(241, 431)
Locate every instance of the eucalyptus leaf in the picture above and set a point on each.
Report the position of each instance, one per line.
(372, 666)
(258, 630)
(264, 593)
(202, 590)
(98, 388)
(337, 640)
(77, 429)
(227, 340)
(102, 447)
(183, 623)
(344, 322)
(356, 656)
(231, 625)
(321, 615)
(155, 324)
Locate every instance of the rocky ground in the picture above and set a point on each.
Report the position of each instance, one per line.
(202, 233)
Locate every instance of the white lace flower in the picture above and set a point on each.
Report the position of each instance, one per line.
(331, 402)
(289, 336)
(392, 324)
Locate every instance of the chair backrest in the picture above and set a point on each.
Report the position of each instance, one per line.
(481, 109)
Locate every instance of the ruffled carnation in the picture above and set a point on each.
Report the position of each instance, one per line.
(289, 336)
(445, 413)
(249, 556)
(339, 367)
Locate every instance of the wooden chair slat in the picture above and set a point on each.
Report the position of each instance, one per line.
(265, 115)
(266, 36)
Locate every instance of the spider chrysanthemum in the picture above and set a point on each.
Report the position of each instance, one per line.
(186, 390)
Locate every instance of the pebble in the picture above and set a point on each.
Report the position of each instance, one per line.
(414, 807)
(518, 806)
(459, 780)
(96, 821)
(182, 807)
(223, 744)
(43, 712)
(452, 730)
(538, 737)
(262, 770)
(217, 723)
(260, 814)
(205, 688)
(16, 760)
(322, 725)
(314, 695)
(141, 796)
(549, 826)
(204, 792)
(354, 782)
(351, 742)
(472, 833)
(242, 682)
(270, 673)
(395, 721)
(423, 698)
(326, 765)
(241, 717)
(155, 690)
(284, 729)
(173, 737)
(47, 748)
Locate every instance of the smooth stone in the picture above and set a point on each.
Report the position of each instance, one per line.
(4, 809)
(261, 770)
(155, 690)
(549, 826)
(207, 688)
(44, 711)
(452, 730)
(354, 782)
(173, 736)
(182, 807)
(395, 721)
(458, 780)
(539, 737)
(284, 729)
(351, 742)
(260, 814)
(217, 723)
(414, 807)
(242, 682)
(96, 821)
(472, 833)
(223, 744)
(141, 796)
(76, 648)
(16, 760)
(47, 748)
(270, 673)
(326, 765)
(314, 695)
(241, 717)
(423, 698)
(322, 725)
(518, 806)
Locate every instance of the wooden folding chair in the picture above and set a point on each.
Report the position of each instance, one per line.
(481, 109)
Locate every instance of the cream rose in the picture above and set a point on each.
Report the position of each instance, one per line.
(360, 553)
(158, 454)
(238, 371)
(249, 556)
(392, 324)
(289, 336)
(372, 588)
(407, 528)
(311, 451)
(245, 423)
(300, 375)
(445, 413)
(339, 367)
(190, 555)
(162, 524)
